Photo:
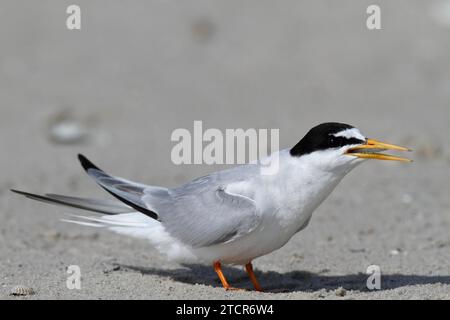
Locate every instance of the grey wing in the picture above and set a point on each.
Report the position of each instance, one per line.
(204, 213)
(200, 213)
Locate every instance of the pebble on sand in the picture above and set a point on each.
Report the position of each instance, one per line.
(67, 132)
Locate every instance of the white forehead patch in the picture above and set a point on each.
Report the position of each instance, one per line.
(350, 133)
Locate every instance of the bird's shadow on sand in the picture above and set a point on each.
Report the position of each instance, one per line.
(276, 282)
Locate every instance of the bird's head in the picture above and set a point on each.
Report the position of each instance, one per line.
(339, 146)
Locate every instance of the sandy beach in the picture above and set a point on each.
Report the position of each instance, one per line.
(116, 89)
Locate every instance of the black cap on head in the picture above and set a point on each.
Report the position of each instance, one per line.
(322, 137)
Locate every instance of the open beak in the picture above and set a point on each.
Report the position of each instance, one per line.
(371, 148)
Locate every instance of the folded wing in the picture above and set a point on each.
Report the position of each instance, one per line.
(205, 213)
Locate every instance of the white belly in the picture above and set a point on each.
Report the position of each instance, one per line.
(268, 237)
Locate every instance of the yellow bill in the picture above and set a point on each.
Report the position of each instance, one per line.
(371, 148)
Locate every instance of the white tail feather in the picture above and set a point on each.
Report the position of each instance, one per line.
(138, 225)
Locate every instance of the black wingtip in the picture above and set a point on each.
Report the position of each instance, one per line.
(85, 163)
(19, 192)
(28, 194)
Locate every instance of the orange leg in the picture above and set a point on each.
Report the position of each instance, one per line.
(249, 269)
(218, 269)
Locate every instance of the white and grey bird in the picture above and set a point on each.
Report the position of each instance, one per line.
(231, 216)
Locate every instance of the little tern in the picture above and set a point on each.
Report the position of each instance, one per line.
(235, 215)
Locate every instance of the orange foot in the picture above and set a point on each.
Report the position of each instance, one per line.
(226, 285)
(251, 274)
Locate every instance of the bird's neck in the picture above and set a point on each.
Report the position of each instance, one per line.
(305, 186)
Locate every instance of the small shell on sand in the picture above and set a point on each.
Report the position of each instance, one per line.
(340, 292)
(21, 290)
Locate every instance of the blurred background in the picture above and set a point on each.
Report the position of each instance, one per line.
(116, 89)
(136, 72)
